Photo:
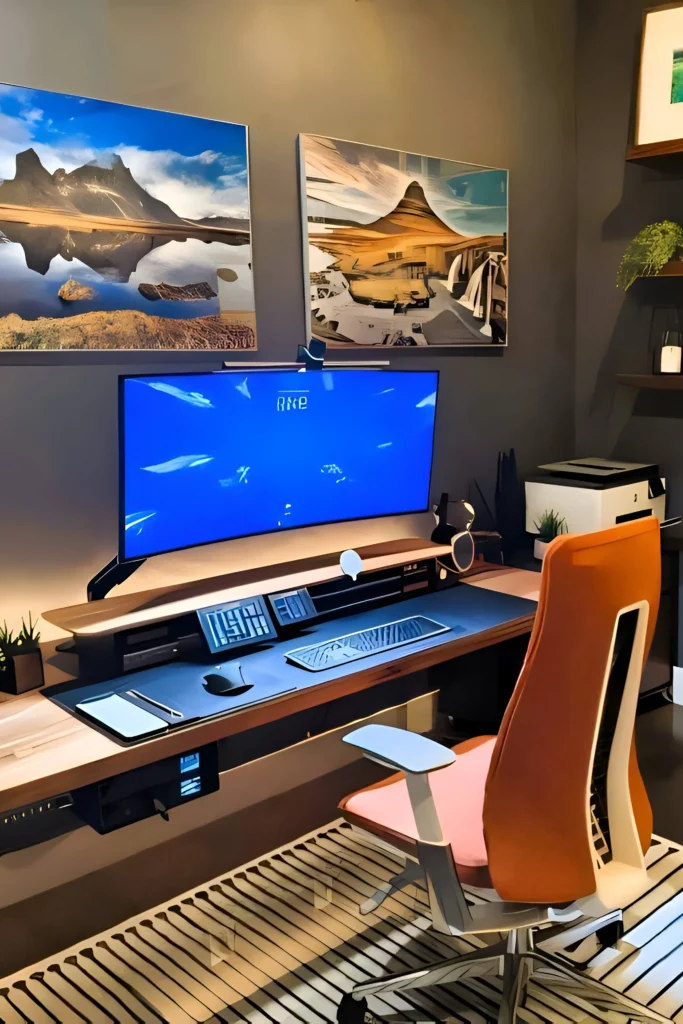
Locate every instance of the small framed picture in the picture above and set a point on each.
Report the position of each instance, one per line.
(659, 110)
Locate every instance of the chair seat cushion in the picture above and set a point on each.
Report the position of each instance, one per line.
(384, 809)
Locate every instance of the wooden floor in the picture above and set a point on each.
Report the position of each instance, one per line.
(47, 923)
(281, 939)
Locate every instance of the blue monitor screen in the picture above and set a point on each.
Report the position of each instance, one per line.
(213, 456)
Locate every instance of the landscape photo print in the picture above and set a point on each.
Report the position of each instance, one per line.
(402, 249)
(121, 227)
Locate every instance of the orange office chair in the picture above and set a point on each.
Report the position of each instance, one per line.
(552, 813)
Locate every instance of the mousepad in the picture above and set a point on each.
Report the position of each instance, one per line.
(174, 693)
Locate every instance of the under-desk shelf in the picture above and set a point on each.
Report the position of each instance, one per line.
(652, 381)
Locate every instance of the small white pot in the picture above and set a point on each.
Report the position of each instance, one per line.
(540, 548)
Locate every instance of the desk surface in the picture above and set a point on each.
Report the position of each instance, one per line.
(519, 582)
(45, 751)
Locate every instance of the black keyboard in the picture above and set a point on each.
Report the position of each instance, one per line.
(343, 649)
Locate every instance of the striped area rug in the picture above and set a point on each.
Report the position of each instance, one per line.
(280, 940)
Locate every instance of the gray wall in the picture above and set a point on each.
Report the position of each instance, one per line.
(489, 81)
(616, 199)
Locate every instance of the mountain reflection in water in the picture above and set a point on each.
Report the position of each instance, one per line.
(36, 261)
(114, 253)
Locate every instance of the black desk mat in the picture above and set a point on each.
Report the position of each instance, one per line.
(178, 686)
(465, 610)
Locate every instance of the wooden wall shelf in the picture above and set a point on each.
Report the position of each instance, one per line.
(674, 268)
(654, 149)
(652, 381)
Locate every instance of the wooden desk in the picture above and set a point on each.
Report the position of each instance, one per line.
(504, 580)
(44, 751)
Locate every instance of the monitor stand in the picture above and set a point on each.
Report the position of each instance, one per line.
(108, 577)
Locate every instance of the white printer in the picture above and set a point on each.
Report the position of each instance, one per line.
(592, 494)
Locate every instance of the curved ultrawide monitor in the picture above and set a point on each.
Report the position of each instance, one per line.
(214, 456)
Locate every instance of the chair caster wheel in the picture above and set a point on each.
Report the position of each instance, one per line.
(610, 934)
(352, 1011)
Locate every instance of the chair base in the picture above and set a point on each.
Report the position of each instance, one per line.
(515, 960)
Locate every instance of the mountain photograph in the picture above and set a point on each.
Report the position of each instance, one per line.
(121, 227)
(402, 249)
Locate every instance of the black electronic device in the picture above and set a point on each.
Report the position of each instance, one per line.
(451, 517)
(379, 587)
(273, 450)
(602, 473)
(457, 533)
(228, 682)
(159, 512)
(211, 631)
(292, 606)
(312, 355)
(145, 792)
(138, 647)
(236, 624)
(195, 636)
(375, 640)
(36, 823)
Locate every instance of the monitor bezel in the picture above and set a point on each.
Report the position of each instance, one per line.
(123, 557)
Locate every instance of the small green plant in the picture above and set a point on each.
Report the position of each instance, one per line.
(652, 247)
(550, 525)
(27, 638)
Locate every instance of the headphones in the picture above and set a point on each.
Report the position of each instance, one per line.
(457, 534)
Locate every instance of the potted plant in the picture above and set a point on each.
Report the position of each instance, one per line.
(549, 526)
(21, 663)
(649, 251)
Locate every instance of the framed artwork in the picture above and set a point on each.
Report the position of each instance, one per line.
(402, 249)
(121, 227)
(659, 107)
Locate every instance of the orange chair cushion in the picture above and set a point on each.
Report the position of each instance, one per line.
(385, 810)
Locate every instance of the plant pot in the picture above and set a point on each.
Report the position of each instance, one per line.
(23, 672)
(540, 548)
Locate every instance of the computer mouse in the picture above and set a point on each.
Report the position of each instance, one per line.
(228, 682)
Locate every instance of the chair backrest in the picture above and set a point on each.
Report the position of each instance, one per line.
(564, 798)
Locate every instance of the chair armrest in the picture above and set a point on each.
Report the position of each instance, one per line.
(398, 748)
